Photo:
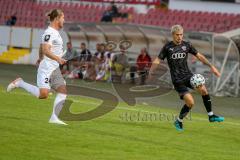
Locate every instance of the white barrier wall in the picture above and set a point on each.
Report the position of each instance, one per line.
(36, 37)
(4, 38)
(4, 35)
(36, 41)
(21, 37)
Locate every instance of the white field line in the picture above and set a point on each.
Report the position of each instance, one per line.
(121, 108)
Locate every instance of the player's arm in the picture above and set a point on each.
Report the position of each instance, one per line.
(40, 55)
(156, 61)
(154, 65)
(46, 50)
(204, 60)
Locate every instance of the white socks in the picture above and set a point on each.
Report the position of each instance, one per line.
(180, 120)
(210, 113)
(30, 88)
(57, 107)
(58, 104)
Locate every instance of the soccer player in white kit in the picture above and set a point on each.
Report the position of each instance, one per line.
(49, 75)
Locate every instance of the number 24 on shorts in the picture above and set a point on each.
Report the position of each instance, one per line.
(46, 80)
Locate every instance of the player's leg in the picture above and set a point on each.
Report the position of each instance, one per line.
(43, 83)
(43, 93)
(20, 83)
(59, 85)
(59, 100)
(208, 104)
(184, 94)
(206, 99)
(189, 103)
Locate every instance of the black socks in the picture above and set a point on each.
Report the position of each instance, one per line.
(207, 103)
(184, 111)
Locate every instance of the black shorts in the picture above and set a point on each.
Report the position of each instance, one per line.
(183, 87)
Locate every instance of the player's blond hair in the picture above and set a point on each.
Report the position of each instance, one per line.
(54, 14)
(176, 28)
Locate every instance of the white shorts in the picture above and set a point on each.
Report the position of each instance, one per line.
(50, 80)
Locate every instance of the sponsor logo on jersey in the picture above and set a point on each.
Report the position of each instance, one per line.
(178, 55)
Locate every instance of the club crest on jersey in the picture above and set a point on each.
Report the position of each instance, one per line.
(184, 48)
(46, 38)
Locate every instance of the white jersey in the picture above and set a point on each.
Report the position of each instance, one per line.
(52, 37)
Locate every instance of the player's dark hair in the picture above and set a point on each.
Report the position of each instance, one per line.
(54, 14)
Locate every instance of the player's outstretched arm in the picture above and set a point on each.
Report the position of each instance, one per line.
(46, 50)
(204, 60)
(154, 65)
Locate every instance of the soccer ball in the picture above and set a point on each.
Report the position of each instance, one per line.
(197, 80)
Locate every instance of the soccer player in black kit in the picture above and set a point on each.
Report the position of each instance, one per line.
(176, 52)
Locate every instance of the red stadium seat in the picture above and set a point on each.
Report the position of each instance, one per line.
(32, 14)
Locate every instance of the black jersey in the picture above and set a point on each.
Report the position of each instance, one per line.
(177, 59)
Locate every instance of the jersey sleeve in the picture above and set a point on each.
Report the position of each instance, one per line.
(47, 38)
(192, 50)
(163, 53)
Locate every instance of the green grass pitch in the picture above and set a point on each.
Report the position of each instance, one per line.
(25, 133)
